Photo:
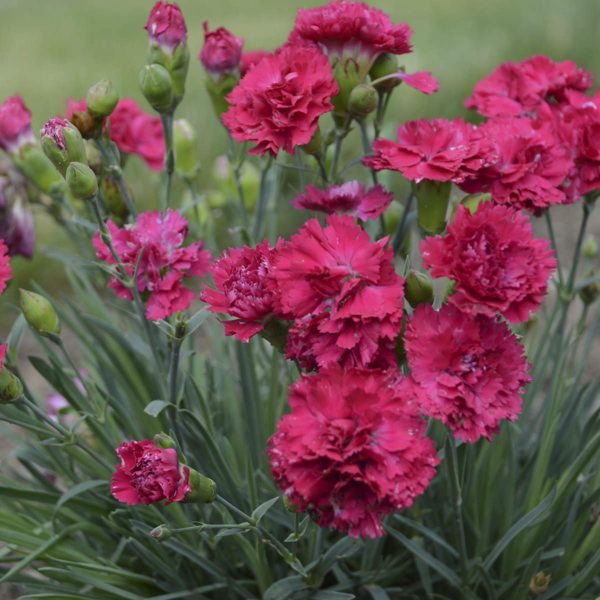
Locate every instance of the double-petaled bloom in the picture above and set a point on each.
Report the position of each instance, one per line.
(278, 103)
(498, 266)
(470, 370)
(148, 474)
(153, 250)
(352, 449)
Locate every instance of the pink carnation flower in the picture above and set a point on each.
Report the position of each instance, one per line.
(470, 369)
(515, 89)
(149, 474)
(166, 25)
(353, 449)
(15, 124)
(350, 197)
(5, 268)
(352, 30)
(359, 329)
(497, 264)
(577, 122)
(133, 131)
(278, 103)
(164, 264)
(525, 165)
(222, 51)
(437, 150)
(244, 290)
(343, 292)
(319, 262)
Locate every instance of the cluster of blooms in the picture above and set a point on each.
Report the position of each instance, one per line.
(132, 130)
(152, 249)
(353, 447)
(539, 146)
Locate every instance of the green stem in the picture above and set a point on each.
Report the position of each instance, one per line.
(555, 246)
(237, 168)
(399, 234)
(457, 505)
(340, 134)
(262, 202)
(250, 399)
(167, 123)
(584, 220)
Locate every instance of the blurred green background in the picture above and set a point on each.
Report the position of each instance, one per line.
(54, 49)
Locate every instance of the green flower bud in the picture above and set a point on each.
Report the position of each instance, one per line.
(590, 293)
(418, 288)
(275, 332)
(590, 247)
(114, 201)
(39, 313)
(472, 201)
(38, 168)
(102, 98)
(348, 75)
(89, 127)
(219, 90)
(186, 147)
(82, 181)
(432, 204)
(539, 583)
(157, 87)
(62, 143)
(161, 533)
(315, 144)
(225, 180)
(11, 388)
(93, 156)
(386, 64)
(176, 63)
(162, 440)
(363, 100)
(204, 489)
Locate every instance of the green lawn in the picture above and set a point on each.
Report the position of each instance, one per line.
(53, 49)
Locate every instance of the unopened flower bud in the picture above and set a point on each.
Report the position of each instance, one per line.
(186, 147)
(157, 87)
(81, 180)
(432, 204)
(472, 201)
(89, 127)
(161, 533)
(363, 100)
(38, 168)
(348, 75)
(315, 145)
(15, 125)
(590, 247)
(11, 388)
(62, 143)
(385, 64)
(204, 489)
(221, 53)
(114, 201)
(590, 293)
(168, 45)
(39, 313)
(276, 333)
(93, 156)
(102, 98)
(539, 583)
(418, 288)
(162, 440)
